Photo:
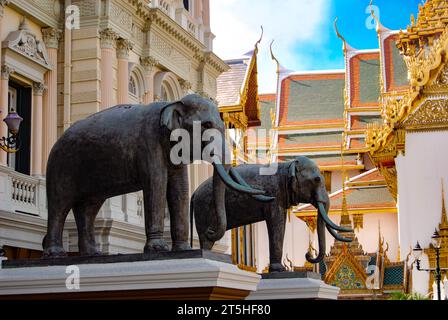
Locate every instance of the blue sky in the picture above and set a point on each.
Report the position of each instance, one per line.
(302, 30)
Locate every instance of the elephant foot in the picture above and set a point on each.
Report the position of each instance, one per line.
(156, 245)
(181, 246)
(54, 252)
(90, 251)
(276, 267)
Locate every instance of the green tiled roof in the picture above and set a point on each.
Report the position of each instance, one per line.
(315, 100)
(393, 275)
(324, 159)
(366, 196)
(313, 138)
(265, 114)
(400, 69)
(369, 78)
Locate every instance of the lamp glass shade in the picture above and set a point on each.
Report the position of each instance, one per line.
(417, 251)
(13, 121)
(436, 239)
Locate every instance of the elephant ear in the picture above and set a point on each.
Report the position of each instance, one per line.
(293, 169)
(171, 115)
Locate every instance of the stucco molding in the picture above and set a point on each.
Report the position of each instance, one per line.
(108, 38)
(51, 37)
(6, 72)
(124, 46)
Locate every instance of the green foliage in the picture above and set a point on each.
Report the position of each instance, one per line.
(406, 296)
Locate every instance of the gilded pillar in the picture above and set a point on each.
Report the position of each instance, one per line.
(107, 40)
(149, 63)
(123, 48)
(36, 127)
(4, 87)
(51, 38)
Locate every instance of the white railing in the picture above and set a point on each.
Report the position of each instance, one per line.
(21, 193)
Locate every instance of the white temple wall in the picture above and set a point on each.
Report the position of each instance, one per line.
(420, 173)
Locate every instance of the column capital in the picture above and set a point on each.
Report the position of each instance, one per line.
(108, 38)
(39, 88)
(123, 48)
(185, 85)
(51, 37)
(6, 71)
(148, 63)
(3, 4)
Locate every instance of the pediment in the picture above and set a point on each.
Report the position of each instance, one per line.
(26, 44)
(432, 114)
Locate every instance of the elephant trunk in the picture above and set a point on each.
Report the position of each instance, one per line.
(219, 195)
(320, 233)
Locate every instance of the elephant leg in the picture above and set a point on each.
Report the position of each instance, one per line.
(178, 201)
(276, 232)
(52, 242)
(154, 198)
(85, 214)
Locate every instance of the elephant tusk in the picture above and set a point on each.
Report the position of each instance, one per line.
(338, 236)
(239, 179)
(232, 184)
(327, 220)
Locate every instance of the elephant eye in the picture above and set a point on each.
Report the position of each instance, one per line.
(207, 125)
(317, 180)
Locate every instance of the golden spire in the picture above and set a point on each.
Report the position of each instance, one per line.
(274, 58)
(259, 41)
(444, 216)
(345, 217)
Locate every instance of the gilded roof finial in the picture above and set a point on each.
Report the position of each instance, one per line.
(274, 58)
(259, 41)
(344, 45)
(377, 19)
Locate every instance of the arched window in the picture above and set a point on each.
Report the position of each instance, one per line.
(133, 86)
(187, 5)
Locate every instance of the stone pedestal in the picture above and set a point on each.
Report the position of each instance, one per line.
(293, 286)
(190, 275)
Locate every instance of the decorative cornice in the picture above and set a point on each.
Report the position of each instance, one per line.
(124, 46)
(3, 4)
(6, 71)
(432, 114)
(185, 85)
(51, 37)
(149, 63)
(39, 88)
(108, 38)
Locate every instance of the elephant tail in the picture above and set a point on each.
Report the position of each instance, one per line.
(191, 220)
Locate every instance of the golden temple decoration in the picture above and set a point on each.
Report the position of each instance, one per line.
(424, 47)
(311, 222)
(358, 221)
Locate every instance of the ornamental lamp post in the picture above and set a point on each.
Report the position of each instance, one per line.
(11, 144)
(436, 241)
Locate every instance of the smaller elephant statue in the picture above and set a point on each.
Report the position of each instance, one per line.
(296, 182)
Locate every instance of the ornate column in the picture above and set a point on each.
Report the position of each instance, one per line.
(185, 86)
(149, 63)
(51, 38)
(36, 127)
(107, 39)
(123, 48)
(3, 91)
(4, 86)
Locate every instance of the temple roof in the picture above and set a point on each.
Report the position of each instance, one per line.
(364, 192)
(230, 83)
(314, 97)
(396, 72)
(237, 88)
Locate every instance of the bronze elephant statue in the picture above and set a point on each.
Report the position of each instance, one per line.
(296, 182)
(126, 149)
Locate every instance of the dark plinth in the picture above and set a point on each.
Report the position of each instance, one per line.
(66, 261)
(291, 275)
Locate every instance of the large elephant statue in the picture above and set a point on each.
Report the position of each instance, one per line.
(296, 182)
(125, 149)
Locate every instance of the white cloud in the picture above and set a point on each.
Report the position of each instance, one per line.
(291, 23)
